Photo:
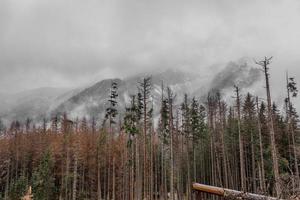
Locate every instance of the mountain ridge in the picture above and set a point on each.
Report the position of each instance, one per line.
(91, 101)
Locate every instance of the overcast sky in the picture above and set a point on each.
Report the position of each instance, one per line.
(64, 43)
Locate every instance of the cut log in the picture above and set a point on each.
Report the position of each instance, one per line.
(230, 194)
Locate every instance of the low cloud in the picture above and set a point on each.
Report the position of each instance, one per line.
(64, 43)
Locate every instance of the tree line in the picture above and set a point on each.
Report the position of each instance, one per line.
(249, 145)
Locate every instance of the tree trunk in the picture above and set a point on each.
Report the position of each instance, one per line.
(99, 192)
(291, 129)
(241, 142)
(230, 194)
(262, 179)
(265, 64)
(253, 163)
(145, 142)
(114, 178)
(221, 114)
(7, 181)
(75, 178)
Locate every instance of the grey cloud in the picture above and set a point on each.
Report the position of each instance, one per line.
(239, 74)
(67, 43)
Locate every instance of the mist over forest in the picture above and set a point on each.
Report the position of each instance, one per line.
(149, 100)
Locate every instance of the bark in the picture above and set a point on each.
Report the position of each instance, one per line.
(253, 163)
(278, 190)
(114, 179)
(145, 140)
(188, 168)
(262, 179)
(151, 166)
(7, 181)
(221, 114)
(291, 129)
(241, 141)
(75, 178)
(171, 144)
(230, 194)
(99, 192)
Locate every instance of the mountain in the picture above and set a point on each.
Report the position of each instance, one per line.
(29, 104)
(92, 100)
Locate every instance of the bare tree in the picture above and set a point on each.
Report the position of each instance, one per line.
(264, 63)
(262, 163)
(241, 141)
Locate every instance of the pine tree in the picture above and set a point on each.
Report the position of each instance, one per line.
(110, 115)
(261, 150)
(241, 140)
(54, 125)
(164, 134)
(186, 132)
(249, 131)
(232, 141)
(2, 127)
(222, 124)
(18, 188)
(66, 129)
(292, 91)
(111, 110)
(145, 87)
(211, 121)
(131, 119)
(196, 131)
(28, 124)
(171, 98)
(43, 180)
(131, 128)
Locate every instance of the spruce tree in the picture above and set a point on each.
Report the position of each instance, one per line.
(164, 133)
(249, 133)
(185, 110)
(2, 127)
(145, 87)
(131, 119)
(110, 115)
(18, 188)
(292, 92)
(241, 140)
(43, 186)
(111, 110)
(171, 98)
(195, 131)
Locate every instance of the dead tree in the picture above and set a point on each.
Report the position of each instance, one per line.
(262, 163)
(229, 194)
(171, 127)
(241, 142)
(264, 63)
(145, 86)
(291, 88)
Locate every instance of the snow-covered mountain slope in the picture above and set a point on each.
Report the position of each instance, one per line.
(29, 104)
(92, 100)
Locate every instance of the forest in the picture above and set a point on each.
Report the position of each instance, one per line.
(250, 145)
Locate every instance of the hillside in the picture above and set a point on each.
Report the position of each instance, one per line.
(91, 101)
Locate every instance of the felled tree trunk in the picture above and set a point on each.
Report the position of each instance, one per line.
(230, 194)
